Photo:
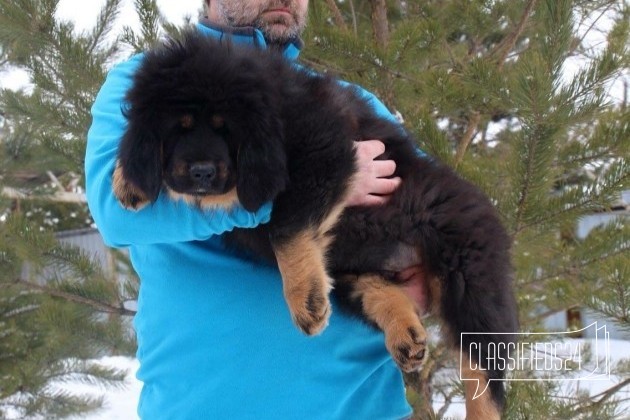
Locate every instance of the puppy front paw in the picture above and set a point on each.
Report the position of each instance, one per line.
(310, 308)
(127, 194)
(305, 282)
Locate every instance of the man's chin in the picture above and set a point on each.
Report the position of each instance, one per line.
(278, 35)
(279, 31)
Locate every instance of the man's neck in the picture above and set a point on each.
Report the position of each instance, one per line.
(249, 31)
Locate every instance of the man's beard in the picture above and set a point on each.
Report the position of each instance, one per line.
(277, 29)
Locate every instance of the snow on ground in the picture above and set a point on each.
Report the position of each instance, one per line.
(120, 404)
(617, 351)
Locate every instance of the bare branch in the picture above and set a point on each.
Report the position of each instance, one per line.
(336, 14)
(59, 196)
(473, 124)
(550, 312)
(592, 25)
(354, 18)
(55, 181)
(99, 306)
(509, 41)
(380, 24)
(448, 399)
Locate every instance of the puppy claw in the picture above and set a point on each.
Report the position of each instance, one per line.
(310, 311)
(407, 346)
(312, 323)
(132, 202)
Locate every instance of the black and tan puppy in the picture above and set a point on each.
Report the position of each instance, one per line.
(216, 125)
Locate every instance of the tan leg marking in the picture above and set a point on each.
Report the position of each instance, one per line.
(328, 224)
(482, 407)
(396, 314)
(302, 263)
(127, 194)
(226, 201)
(305, 281)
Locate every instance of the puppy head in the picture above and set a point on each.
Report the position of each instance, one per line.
(202, 122)
(187, 151)
(198, 159)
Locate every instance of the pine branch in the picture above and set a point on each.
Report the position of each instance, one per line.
(99, 306)
(580, 206)
(574, 269)
(370, 60)
(605, 395)
(532, 145)
(592, 25)
(86, 372)
(451, 55)
(63, 403)
(508, 42)
(104, 23)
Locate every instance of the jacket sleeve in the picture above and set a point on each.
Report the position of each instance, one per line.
(161, 222)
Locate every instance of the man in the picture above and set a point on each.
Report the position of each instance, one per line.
(215, 339)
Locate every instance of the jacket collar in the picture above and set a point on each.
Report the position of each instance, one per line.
(247, 35)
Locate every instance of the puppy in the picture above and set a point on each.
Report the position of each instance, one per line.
(216, 125)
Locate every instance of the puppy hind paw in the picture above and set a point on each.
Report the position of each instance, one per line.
(407, 346)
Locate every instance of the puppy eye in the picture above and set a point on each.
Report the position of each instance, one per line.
(217, 122)
(186, 121)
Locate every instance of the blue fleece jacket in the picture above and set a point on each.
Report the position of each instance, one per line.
(215, 339)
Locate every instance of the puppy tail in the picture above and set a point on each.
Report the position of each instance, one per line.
(466, 248)
(482, 325)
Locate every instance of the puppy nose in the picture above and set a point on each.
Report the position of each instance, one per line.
(203, 172)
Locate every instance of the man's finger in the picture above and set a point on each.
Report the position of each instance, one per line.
(385, 186)
(374, 200)
(383, 168)
(371, 148)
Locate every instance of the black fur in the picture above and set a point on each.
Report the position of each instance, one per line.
(288, 137)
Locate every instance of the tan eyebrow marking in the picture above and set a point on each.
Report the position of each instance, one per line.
(186, 121)
(217, 121)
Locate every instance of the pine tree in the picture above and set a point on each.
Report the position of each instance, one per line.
(480, 84)
(59, 310)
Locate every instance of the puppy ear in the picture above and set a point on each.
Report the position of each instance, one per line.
(261, 162)
(138, 174)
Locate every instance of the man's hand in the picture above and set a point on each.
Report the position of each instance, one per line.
(371, 186)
